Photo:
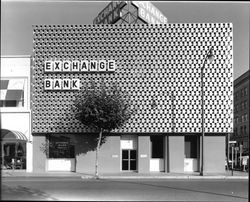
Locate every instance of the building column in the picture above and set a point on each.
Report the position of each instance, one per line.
(166, 154)
(176, 153)
(214, 154)
(39, 157)
(2, 150)
(143, 154)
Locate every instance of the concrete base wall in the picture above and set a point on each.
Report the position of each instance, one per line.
(214, 154)
(110, 154)
(176, 154)
(109, 157)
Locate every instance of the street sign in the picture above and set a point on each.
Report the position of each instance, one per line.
(244, 161)
(232, 142)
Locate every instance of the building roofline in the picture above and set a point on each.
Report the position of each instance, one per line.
(15, 56)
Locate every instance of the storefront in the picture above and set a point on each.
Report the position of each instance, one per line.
(159, 66)
(16, 139)
(13, 147)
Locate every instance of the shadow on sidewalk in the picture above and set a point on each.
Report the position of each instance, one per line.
(23, 193)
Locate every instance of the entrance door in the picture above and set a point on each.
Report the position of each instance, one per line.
(129, 160)
(128, 153)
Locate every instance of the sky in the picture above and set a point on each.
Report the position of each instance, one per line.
(18, 16)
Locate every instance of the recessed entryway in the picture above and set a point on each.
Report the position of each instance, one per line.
(128, 153)
(157, 154)
(191, 153)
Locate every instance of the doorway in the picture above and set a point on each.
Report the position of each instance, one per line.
(191, 153)
(128, 152)
(157, 154)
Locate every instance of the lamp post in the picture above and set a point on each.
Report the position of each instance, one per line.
(209, 56)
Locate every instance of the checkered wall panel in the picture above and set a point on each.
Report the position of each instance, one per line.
(158, 64)
(11, 89)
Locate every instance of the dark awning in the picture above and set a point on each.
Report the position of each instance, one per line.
(12, 135)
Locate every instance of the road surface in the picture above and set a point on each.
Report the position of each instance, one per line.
(75, 188)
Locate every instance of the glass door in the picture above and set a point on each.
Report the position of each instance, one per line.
(129, 160)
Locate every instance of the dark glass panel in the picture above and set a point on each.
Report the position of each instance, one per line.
(124, 154)
(124, 164)
(133, 165)
(132, 154)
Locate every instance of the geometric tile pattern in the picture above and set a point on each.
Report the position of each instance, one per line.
(155, 63)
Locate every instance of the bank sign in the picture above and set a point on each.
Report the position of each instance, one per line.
(149, 13)
(111, 13)
(75, 66)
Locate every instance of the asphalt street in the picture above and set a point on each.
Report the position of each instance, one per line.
(75, 188)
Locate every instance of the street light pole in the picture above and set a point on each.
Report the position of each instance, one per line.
(209, 56)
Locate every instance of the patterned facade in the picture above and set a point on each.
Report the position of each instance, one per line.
(157, 65)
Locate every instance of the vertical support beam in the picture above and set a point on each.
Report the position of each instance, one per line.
(143, 154)
(39, 157)
(176, 154)
(236, 153)
(2, 150)
(241, 154)
(232, 157)
(166, 154)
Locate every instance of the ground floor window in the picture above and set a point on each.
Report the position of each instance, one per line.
(60, 147)
(157, 146)
(13, 155)
(129, 159)
(191, 146)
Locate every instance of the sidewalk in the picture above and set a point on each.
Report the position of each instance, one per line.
(129, 175)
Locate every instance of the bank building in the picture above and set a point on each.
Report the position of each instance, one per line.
(159, 65)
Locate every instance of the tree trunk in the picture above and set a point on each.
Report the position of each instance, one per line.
(97, 151)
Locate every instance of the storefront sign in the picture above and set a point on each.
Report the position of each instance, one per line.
(84, 66)
(126, 144)
(79, 66)
(61, 84)
(62, 145)
(149, 13)
(111, 13)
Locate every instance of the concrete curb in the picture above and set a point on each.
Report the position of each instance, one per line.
(136, 177)
(86, 176)
(173, 177)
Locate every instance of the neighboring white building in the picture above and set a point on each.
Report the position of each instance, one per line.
(16, 138)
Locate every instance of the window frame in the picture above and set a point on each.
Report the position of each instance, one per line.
(25, 94)
(56, 153)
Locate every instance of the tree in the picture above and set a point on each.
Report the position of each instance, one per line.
(104, 108)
